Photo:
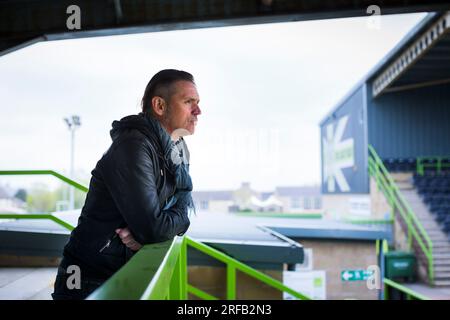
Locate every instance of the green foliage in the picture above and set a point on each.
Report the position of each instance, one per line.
(40, 199)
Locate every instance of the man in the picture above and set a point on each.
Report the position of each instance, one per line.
(140, 190)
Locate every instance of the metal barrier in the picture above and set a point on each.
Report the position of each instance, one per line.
(410, 294)
(45, 172)
(437, 163)
(398, 204)
(159, 271)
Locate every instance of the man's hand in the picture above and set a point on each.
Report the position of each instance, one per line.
(128, 240)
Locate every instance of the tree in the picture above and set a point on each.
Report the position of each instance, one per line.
(21, 194)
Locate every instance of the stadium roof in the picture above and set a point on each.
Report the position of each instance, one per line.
(421, 58)
(24, 22)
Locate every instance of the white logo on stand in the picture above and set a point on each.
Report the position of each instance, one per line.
(337, 155)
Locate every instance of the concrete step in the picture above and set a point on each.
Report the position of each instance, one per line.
(442, 275)
(425, 218)
(436, 232)
(441, 263)
(441, 238)
(442, 269)
(401, 176)
(442, 283)
(429, 221)
(405, 186)
(432, 228)
(440, 243)
(429, 229)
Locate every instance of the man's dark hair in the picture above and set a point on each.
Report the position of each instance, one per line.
(161, 85)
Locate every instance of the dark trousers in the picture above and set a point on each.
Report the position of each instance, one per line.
(63, 290)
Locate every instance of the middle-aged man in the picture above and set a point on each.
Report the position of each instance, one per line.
(140, 190)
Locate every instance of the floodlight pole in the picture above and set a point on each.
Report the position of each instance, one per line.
(73, 123)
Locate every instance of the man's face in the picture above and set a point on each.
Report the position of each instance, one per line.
(183, 107)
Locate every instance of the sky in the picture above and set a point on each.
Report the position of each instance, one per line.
(263, 90)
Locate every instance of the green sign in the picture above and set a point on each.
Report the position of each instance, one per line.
(355, 275)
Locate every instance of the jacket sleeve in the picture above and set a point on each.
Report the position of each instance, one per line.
(131, 180)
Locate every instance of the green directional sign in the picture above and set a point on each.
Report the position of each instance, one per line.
(355, 275)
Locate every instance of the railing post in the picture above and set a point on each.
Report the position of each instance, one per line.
(175, 283)
(386, 291)
(184, 269)
(231, 282)
(419, 166)
(430, 267)
(178, 284)
(392, 203)
(377, 176)
(409, 223)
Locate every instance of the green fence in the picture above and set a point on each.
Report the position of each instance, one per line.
(159, 271)
(415, 230)
(69, 181)
(410, 294)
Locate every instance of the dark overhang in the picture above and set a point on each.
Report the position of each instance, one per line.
(424, 61)
(24, 22)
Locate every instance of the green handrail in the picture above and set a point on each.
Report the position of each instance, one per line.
(164, 265)
(386, 183)
(45, 172)
(368, 221)
(47, 216)
(150, 274)
(409, 292)
(233, 265)
(438, 164)
(287, 215)
(159, 271)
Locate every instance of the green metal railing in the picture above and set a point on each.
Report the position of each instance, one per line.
(368, 221)
(415, 230)
(234, 265)
(69, 181)
(159, 271)
(410, 294)
(287, 215)
(431, 162)
(47, 216)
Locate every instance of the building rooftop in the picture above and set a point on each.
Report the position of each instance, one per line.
(298, 191)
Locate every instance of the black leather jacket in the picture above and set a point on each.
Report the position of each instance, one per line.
(129, 187)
